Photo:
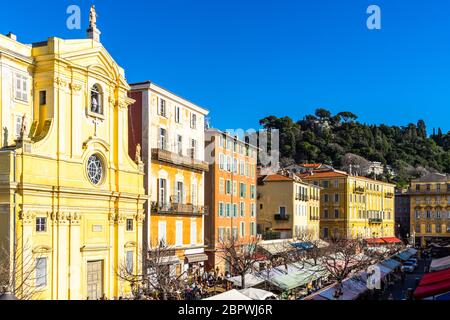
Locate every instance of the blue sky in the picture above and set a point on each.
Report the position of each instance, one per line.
(244, 60)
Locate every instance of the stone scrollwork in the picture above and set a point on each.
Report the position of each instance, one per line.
(140, 217)
(75, 218)
(75, 86)
(27, 217)
(60, 82)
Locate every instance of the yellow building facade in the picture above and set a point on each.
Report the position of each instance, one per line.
(353, 206)
(288, 207)
(170, 130)
(430, 207)
(71, 199)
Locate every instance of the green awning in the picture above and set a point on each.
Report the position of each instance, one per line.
(293, 280)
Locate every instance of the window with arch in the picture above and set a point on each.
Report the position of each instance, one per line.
(96, 99)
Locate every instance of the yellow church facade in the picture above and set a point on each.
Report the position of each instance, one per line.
(71, 198)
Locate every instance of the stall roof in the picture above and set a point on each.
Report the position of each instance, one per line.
(374, 241)
(302, 245)
(391, 263)
(257, 294)
(292, 281)
(251, 280)
(404, 255)
(351, 288)
(229, 295)
(433, 284)
(440, 264)
(392, 240)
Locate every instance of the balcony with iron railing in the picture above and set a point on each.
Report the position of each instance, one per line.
(389, 195)
(178, 209)
(375, 220)
(162, 154)
(301, 197)
(281, 217)
(359, 189)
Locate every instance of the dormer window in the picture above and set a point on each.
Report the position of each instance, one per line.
(96, 99)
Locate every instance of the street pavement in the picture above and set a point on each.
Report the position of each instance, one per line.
(399, 289)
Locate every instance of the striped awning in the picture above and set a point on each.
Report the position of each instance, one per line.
(198, 257)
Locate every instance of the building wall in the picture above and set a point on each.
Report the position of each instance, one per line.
(45, 176)
(430, 210)
(402, 214)
(148, 112)
(349, 212)
(219, 222)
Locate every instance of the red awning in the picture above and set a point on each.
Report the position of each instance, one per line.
(374, 241)
(392, 240)
(433, 284)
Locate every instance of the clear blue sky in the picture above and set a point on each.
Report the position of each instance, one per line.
(247, 59)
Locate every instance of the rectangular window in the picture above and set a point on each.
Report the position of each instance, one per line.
(180, 145)
(253, 228)
(242, 229)
(129, 224)
(235, 188)
(21, 88)
(242, 190)
(162, 238)
(193, 121)
(41, 224)
(242, 209)
(235, 233)
(221, 232)
(177, 114)
(325, 233)
(18, 126)
(336, 213)
(253, 209)
(179, 233)
(162, 107)
(325, 184)
(228, 187)
(242, 168)
(325, 213)
(325, 198)
(194, 232)
(193, 152)
(252, 192)
(336, 197)
(41, 272)
(228, 162)
(194, 193)
(228, 210)
(221, 186)
(235, 210)
(221, 209)
(221, 161)
(42, 98)
(162, 192)
(163, 139)
(179, 192)
(129, 261)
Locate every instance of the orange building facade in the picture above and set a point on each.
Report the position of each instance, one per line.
(230, 193)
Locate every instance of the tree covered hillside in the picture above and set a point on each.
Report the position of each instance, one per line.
(327, 138)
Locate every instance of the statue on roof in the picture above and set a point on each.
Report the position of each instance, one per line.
(92, 17)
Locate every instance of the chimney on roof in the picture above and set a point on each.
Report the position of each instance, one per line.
(12, 36)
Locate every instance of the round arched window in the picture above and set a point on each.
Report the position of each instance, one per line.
(96, 99)
(95, 169)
